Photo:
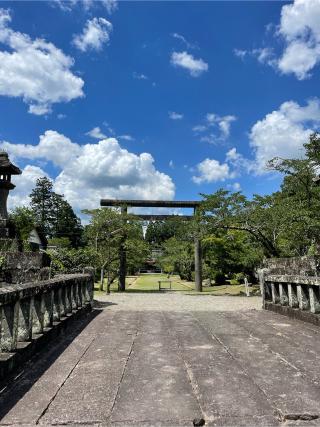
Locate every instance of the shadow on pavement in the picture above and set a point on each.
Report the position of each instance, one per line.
(21, 381)
(102, 304)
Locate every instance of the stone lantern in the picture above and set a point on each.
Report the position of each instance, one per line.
(6, 170)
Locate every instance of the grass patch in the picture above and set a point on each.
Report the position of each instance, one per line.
(148, 283)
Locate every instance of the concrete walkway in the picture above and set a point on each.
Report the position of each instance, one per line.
(145, 360)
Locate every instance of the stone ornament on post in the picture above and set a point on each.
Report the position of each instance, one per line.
(6, 170)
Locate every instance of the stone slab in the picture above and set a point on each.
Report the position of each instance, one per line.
(282, 383)
(155, 385)
(224, 388)
(91, 388)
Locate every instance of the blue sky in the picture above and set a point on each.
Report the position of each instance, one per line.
(156, 99)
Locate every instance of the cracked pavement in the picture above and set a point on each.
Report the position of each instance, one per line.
(129, 365)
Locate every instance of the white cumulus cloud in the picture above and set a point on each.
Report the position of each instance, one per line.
(299, 30)
(187, 61)
(92, 171)
(52, 146)
(35, 70)
(283, 132)
(299, 26)
(95, 34)
(211, 170)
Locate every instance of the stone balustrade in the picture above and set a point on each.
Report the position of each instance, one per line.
(29, 311)
(294, 295)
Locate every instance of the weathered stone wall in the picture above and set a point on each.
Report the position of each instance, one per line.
(302, 266)
(20, 267)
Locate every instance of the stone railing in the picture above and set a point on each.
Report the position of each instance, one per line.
(30, 311)
(294, 295)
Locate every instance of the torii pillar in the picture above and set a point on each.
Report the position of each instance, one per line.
(197, 257)
(123, 255)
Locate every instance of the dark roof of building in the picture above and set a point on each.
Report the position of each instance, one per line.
(6, 166)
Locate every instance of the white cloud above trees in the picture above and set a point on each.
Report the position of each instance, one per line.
(283, 132)
(35, 70)
(92, 171)
(211, 170)
(280, 133)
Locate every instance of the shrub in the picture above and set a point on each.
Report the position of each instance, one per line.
(219, 278)
(234, 282)
(239, 277)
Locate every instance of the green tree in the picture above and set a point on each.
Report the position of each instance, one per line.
(24, 222)
(179, 257)
(69, 260)
(229, 252)
(159, 231)
(105, 234)
(54, 214)
(41, 203)
(233, 211)
(65, 223)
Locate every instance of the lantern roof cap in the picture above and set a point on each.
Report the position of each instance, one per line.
(6, 166)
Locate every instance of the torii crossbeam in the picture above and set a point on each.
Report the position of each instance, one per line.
(124, 204)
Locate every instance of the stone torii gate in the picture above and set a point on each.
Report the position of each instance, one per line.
(124, 204)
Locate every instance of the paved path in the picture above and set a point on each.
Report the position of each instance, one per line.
(143, 360)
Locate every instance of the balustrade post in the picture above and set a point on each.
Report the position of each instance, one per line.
(69, 298)
(275, 294)
(38, 314)
(314, 299)
(292, 293)
(63, 301)
(90, 288)
(283, 293)
(80, 300)
(48, 308)
(84, 293)
(25, 319)
(302, 298)
(56, 304)
(74, 297)
(9, 326)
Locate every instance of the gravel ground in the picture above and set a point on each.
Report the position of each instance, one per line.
(174, 301)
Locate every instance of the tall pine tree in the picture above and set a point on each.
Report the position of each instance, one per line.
(41, 203)
(54, 214)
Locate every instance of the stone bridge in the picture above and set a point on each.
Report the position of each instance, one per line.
(167, 360)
